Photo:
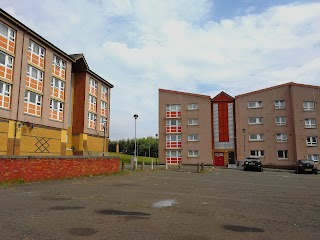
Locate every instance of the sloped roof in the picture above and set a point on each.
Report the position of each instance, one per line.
(185, 93)
(222, 94)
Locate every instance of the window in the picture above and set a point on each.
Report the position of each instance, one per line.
(312, 141)
(193, 153)
(57, 88)
(192, 106)
(280, 121)
(7, 32)
(36, 49)
(313, 157)
(93, 86)
(92, 103)
(308, 106)
(103, 107)
(174, 107)
(103, 124)
(173, 111)
(282, 154)
(58, 62)
(32, 103)
(282, 137)
(279, 104)
(173, 138)
(104, 93)
(92, 120)
(6, 60)
(255, 120)
(173, 156)
(56, 110)
(34, 78)
(193, 137)
(310, 123)
(256, 153)
(192, 121)
(4, 95)
(256, 137)
(256, 104)
(173, 126)
(173, 141)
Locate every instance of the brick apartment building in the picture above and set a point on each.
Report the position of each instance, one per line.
(278, 125)
(185, 128)
(36, 94)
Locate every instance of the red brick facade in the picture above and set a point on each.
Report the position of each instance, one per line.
(47, 168)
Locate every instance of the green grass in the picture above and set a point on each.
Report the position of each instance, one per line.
(127, 158)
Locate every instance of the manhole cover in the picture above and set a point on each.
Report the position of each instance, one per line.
(237, 228)
(84, 232)
(121, 213)
(66, 208)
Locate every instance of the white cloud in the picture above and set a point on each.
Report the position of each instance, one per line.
(143, 45)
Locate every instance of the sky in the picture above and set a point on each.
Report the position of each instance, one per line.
(196, 46)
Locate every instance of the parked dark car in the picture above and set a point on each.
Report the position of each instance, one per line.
(303, 166)
(253, 164)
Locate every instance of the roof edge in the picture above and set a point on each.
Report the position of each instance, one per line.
(185, 93)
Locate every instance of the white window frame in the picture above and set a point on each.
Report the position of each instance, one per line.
(308, 105)
(169, 123)
(31, 48)
(93, 83)
(58, 84)
(193, 153)
(257, 120)
(173, 138)
(38, 98)
(284, 154)
(279, 104)
(104, 105)
(59, 62)
(104, 90)
(193, 138)
(4, 91)
(310, 123)
(173, 153)
(10, 33)
(311, 141)
(103, 122)
(39, 73)
(257, 153)
(8, 60)
(280, 120)
(193, 106)
(56, 105)
(193, 121)
(313, 157)
(93, 100)
(255, 104)
(256, 137)
(173, 107)
(282, 137)
(92, 117)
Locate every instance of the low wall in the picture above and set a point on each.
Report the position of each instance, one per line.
(46, 168)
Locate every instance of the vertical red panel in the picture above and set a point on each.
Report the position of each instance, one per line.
(223, 122)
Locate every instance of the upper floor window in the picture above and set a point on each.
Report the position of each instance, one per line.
(256, 137)
(282, 154)
(32, 103)
(193, 106)
(312, 141)
(36, 49)
(104, 93)
(6, 60)
(279, 104)
(7, 32)
(255, 104)
(313, 157)
(256, 153)
(255, 120)
(92, 118)
(34, 78)
(5, 95)
(57, 88)
(93, 85)
(173, 111)
(280, 121)
(193, 153)
(193, 137)
(193, 121)
(173, 138)
(103, 107)
(173, 126)
(173, 107)
(58, 62)
(308, 105)
(103, 124)
(56, 110)
(310, 123)
(92, 103)
(282, 137)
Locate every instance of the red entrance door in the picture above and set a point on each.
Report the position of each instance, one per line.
(218, 159)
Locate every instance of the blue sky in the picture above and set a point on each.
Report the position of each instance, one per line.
(198, 46)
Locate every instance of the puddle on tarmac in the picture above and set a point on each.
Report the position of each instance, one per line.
(121, 213)
(83, 232)
(237, 228)
(66, 208)
(164, 203)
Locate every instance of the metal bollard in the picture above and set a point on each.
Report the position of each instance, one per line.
(122, 166)
(152, 164)
(166, 166)
(198, 167)
(202, 167)
(142, 165)
(179, 166)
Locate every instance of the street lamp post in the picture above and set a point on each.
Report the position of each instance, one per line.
(244, 143)
(135, 139)
(157, 148)
(104, 136)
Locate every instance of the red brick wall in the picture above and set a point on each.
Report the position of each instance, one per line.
(45, 168)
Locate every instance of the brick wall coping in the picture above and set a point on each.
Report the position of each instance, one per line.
(58, 157)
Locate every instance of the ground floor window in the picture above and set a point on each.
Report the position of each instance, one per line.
(173, 156)
(282, 154)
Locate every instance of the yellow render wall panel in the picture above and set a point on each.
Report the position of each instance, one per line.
(95, 144)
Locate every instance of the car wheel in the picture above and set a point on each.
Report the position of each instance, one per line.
(261, 169)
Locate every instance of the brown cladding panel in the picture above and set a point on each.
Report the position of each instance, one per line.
(79, 102)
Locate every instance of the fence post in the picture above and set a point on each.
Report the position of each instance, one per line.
(179, 166)
(122, 166)
(142, 165)
(152, 164)
(202, 167)
(198, 167)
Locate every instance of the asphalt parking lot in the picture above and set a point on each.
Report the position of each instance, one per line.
(217, 204)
